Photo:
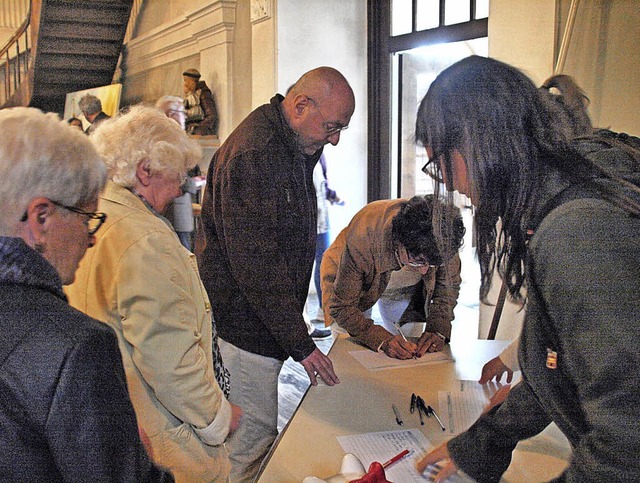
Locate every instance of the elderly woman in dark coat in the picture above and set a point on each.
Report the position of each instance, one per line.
(65, 414)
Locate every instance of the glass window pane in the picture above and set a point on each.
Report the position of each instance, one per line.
(457, 11)
(401, 17)
(482, 8)
(428, 14)
(420, 67)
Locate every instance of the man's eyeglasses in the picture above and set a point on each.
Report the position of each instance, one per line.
(413, 263)
(330, 128)
(95, 218)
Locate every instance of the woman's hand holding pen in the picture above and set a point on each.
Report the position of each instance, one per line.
(440, 453)
(430, 342)
(399, 348)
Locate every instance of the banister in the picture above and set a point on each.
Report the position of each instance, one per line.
(14, 76)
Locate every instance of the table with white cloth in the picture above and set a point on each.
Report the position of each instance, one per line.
(362, 404)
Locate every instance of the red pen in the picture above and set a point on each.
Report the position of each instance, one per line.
(396, 458)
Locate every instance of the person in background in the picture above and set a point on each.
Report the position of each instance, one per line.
(570, 235)
(75, 122)
(180, 211)
(63, 396)
(383, 237)
(259, 217)
(202, 113)
(91, 108)
(324, 196)
(139, 280)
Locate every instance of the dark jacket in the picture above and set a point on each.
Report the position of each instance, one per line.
(583, 299)
(65, 413)
(259, 216)
(96, 122)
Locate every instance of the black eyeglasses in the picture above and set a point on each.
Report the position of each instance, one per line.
(430, 170)
(95, 218)
(328, 128)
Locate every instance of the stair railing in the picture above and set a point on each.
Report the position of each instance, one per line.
(14, 60)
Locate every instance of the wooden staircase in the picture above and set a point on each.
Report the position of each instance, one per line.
(77, 44)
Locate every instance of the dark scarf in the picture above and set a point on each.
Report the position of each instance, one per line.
(21, 264)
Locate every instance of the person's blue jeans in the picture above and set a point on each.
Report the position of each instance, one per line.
(322, 243)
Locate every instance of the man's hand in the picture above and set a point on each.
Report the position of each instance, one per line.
(495, 368)
(398, 348)
(317, 364)
(429, 342)
(438, 454)
(236, 417)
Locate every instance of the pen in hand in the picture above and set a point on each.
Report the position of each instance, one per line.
(402, 334)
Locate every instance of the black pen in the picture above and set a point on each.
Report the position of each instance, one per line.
(431, 410)
(412, 407)
(422, 406)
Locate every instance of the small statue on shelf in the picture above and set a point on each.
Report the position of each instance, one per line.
(200, 106)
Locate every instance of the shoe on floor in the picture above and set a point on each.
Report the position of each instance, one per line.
(320, 333)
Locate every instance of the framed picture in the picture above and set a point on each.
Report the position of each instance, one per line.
(109, 97)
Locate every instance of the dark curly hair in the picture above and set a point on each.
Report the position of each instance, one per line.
(413, 228)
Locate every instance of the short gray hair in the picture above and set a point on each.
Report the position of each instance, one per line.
(164, 100)
(144, 133)
(89, 104)
(41, 155)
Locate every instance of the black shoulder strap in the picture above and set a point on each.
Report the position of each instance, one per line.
(570, 193)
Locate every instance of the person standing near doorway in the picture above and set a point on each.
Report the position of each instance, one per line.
(259, 218)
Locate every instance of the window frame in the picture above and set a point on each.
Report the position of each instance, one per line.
(381, 46)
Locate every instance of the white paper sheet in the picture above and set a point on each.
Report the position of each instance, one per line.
(383, 446)
(460, 408)
(376, 361)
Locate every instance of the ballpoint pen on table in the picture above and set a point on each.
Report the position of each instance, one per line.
(412, 406)
(397, 414)
(431, 410)
(396, 458)
(420, 407)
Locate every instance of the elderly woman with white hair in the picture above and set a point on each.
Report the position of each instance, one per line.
(62, 390)
(141, 281)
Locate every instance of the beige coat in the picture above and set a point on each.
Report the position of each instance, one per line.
(141, 281)
(356, 269)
